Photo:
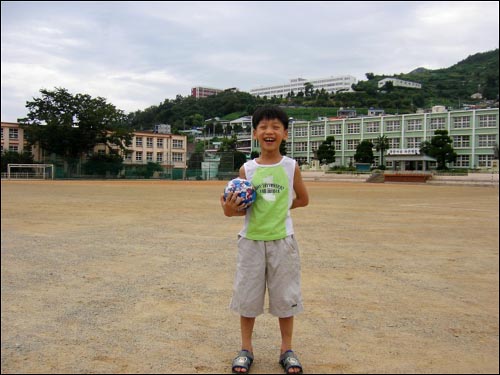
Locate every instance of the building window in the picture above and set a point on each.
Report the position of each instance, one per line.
(335, 129)
(138, 141)
(414, 125)
(352, 144)
(149, 142)
(462, 161)
(177, 143)
(138, 156)
(437, 123)
(372, 127)
(317, 130)
(159, 157)
(13, 133)
(300, 132)
(487, 140)
(487, 121)
(13, 148)
(394, 142)
(393, 126)
(149, 156)
(338, 145)
(461, 141)
(177, 157)
(352, 128)
(461, 122)
(484, 160)
(159, 142)
(300, 146)
(413, 142)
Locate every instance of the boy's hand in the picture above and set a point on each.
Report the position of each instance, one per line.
(233, 206)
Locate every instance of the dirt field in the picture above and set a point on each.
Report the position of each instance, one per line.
(136, 277)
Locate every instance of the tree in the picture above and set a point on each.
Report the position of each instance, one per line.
(364, 152)
(326, 151)
(309, 89)
(381, 145)
(369, 76)
(12, 157)
(440, 147)
(100, 165)
(71, 125)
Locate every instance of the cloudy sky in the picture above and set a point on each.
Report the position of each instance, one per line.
(137, 54)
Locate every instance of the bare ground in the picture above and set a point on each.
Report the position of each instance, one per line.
(136, 277)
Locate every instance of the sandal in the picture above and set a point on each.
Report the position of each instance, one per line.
(289, 360)
(242, 361)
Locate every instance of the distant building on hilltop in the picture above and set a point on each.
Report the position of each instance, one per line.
(329, 84)
(203, 92)
(396, 82)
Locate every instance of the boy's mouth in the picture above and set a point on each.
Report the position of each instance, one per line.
(269, 140)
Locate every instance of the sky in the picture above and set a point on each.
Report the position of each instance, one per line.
(137, 54)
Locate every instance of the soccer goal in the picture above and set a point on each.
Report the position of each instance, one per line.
(30, 171)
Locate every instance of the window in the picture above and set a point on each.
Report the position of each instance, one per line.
(317, 130)
(461, 141)
(352, 144)
(138, 156)
(487, 121)
(13, 148)
(300, 146)
(352, 128)
(13, 133)
(159, 157)
(487, 140)
(149, 142)
(338, 144)
(462, 161)
(159, 142)
(484, 160)
(335, 129)
(149, 156)
(138, 141)
(394, 142)
(177, 143)
(414, 125)
(437, 123)
(393, 126)
(461, 122)
(300, 132)
(177, 157)
(372, 127)
(413, 142)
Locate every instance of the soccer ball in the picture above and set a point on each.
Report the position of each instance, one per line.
(243, 188)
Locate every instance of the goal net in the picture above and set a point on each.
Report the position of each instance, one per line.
(30, 171)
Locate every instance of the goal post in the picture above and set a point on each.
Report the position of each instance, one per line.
(30, 171)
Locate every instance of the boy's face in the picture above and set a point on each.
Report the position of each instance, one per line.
(269, 133)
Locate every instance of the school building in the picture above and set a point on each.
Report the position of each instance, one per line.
(474, 132)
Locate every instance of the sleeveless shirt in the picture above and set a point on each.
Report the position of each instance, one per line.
(268, 218)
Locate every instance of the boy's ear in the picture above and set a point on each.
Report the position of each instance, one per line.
(286, 134)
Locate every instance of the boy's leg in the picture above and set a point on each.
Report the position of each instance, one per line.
(246, 333)
(286, 328)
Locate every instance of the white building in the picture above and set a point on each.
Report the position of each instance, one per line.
(330, 84)
(396, 82)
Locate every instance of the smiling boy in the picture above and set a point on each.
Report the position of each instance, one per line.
(268, 253)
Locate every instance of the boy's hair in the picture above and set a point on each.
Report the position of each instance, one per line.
(269, 113)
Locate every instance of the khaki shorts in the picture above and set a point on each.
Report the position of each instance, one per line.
(272, 263)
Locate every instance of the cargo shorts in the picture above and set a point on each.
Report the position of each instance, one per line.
(271, 264)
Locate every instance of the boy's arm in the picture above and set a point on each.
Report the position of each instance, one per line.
(231, 206)
(301, 195)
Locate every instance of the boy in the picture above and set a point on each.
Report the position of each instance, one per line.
(267, 251)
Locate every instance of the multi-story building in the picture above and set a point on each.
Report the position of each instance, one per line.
(330, 84)
(12, 137)
(396, 82)
(475, 134)
(203, 92)
(168, 150)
